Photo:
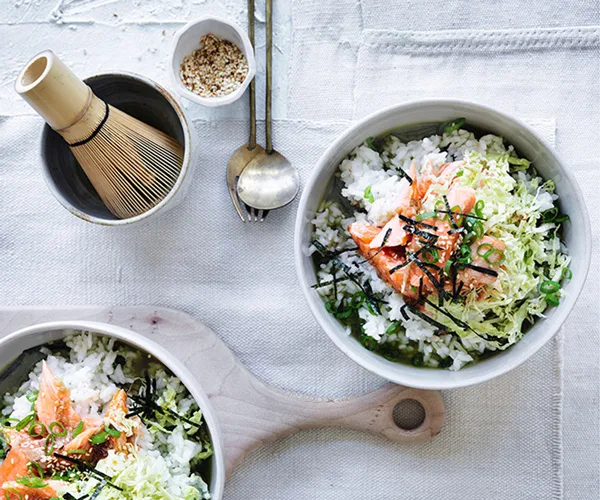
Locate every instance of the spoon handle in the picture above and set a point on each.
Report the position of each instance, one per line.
(268, 119)
(252, 93)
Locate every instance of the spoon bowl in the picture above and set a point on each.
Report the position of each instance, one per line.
(269, 181)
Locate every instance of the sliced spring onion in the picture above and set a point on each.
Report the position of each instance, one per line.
(78, 451)
(57, 429)
(453, 125)
(368, 195)
(549, 286)
(35, 468)
(8, 494)
(33, 429)
(6, 422)
(459, 173)
(99, 438)
(25, 422)
(31, 482)
(484, 249)
(78, 430)
(567, 273)
(392, 328)
(49, 444)
(32, 396)
(112, 431)
(552, 299)
(479, 205)
(448, 266)
(427, 215)
(495, 257)
(369, 143)
(430, 255)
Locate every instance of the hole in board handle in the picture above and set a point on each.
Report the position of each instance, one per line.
(409, 414)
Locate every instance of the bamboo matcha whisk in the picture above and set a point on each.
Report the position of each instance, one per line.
(132, 165)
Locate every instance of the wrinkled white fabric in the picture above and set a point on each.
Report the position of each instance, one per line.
(520, 436)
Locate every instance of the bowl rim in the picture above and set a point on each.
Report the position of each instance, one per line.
(212, 102)
(185, 167)
(165, 357)
(376, 365)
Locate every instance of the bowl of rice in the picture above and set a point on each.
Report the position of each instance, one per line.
(95, 411)
(441, 243)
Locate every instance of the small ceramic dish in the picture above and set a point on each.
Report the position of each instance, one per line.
(143, 99)
(577, 236)
(187, 39)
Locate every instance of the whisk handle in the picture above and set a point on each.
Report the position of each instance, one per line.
(53, 90)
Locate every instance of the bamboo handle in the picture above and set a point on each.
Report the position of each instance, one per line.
(53, 90)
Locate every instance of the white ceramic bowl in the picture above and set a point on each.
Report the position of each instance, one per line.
(187, 39)
(576, 232)
(12, 346)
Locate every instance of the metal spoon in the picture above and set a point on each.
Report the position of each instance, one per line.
(246, 153)
(269, 180)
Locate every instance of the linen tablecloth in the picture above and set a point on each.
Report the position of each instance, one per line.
(530, 434)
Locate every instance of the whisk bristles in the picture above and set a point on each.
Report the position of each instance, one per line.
(132, 165)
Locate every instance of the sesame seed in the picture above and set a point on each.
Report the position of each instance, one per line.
(217, 68)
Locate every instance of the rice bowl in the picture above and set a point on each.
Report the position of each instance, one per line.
(127, 426)
(333, 193)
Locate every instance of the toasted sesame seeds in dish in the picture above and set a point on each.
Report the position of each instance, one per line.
(217, 68)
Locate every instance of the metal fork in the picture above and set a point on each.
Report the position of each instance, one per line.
(246, 153)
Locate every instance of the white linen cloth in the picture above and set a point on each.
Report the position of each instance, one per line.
(515, 437)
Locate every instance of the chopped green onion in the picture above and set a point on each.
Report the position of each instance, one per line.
(567, 273)
(99, 438)
(497, 260)
(116, 433)
(34, 468)
(549, 286)
(49, 444)
(368, 195)
(425, 216)
(430, 255)
(6, 422)
(552, 299)
(33, 431)
(552, 215)
(448, 266)
(392, 328)
(459, 173)
(486, 247)
(369, 143)
(78, 430)
(479, 208)
(453, 125)
(8, 493)
(62, 431)
(31, 482)
(32, 396)
(78, 451)
(25, 422)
